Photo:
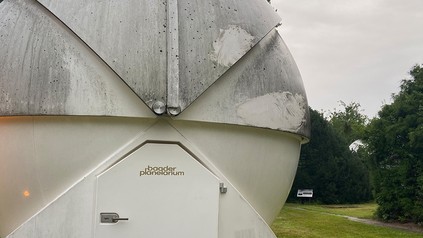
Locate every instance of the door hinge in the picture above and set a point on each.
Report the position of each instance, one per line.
(222, 188)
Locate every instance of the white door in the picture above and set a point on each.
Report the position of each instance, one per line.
(162, 191)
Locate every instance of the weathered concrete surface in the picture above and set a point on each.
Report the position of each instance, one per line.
(231, 66)
(213, 36)
(129, 35)
(263, 89)
(46, 70)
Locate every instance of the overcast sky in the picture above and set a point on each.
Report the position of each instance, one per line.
(352, 50)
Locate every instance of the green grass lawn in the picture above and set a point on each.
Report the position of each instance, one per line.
(357, 210)
(297, 220)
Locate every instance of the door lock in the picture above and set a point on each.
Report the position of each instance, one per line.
(111, 217)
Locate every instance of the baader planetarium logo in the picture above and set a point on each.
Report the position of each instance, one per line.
(161, 171)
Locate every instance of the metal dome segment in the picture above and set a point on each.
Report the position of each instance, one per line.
(46, 70)
(171, 50)
(263, 89)
(129, 35)
(213, 36)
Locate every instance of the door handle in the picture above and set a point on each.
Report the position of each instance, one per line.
(119, 219)
(111, 217)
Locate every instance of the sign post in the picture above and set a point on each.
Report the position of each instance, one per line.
(305, 195)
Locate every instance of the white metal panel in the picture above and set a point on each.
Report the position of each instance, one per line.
(237, 216)
(240, 219)
(163, 191)
(45, 69)
(43, 156)
(129, 35)
(260, 163)
(264, 89)
(68, 217)
(213, 36)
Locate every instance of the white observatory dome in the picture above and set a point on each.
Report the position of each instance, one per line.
(140, 118)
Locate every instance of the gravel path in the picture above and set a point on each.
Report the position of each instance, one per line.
(402, 226)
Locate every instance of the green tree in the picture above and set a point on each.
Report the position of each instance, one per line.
(395, 145)
(349, 122)
(328, 166)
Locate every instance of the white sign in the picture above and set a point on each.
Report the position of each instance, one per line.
(305, 193)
